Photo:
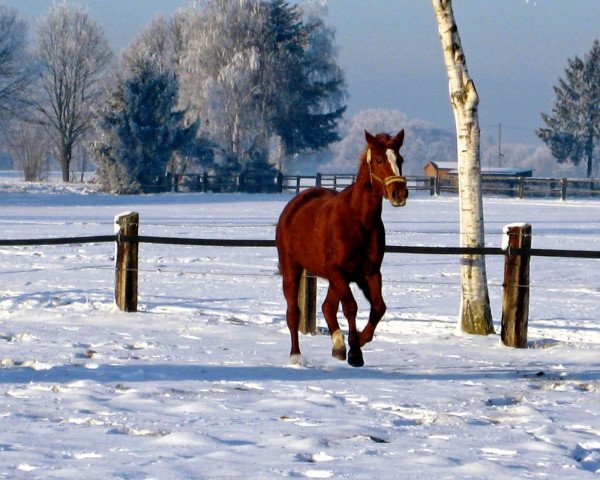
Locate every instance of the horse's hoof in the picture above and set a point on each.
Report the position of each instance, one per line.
(297, 360)
(339, 353)
(355, 358)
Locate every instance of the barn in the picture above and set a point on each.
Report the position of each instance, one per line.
(443, 170)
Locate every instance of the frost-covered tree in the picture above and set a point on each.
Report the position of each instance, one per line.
(15, 64)
(162, 45)
(573, 127)
(218, 71)
(161, 42)
(256, 70)
(73, 54)
(140, 129)
(28, 145)
(423, 141)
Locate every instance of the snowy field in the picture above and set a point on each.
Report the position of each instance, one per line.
(196, 385)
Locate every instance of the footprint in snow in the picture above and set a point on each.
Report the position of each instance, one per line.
(588, 456)
(314, 458)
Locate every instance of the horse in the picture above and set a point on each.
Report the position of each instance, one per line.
(339, 236)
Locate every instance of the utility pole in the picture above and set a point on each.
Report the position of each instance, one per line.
(500, 144)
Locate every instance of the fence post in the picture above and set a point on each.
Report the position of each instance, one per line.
(307, 301)
(280, 182)
(319, 179)
(521, 187)
(126, 268)
(515, 300)
(563, 188)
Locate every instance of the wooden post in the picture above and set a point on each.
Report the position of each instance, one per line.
(563, 189)
(126, 269)
(515, 301)
(307, 301)
(521, 190)
(319, 179)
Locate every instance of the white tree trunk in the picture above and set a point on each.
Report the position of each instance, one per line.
(475, 312)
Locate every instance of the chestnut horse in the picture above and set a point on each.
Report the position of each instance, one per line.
(340, 237)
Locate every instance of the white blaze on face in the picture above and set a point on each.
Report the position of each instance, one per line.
(393, 159)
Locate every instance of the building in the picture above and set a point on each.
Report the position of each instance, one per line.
(443, 170)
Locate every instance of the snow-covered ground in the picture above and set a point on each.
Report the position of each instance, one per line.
(197, 383)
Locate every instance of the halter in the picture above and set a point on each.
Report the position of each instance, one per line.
(385, 181)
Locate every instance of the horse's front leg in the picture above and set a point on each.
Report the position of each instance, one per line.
(330, 309)
(342, 290)
(371, 287)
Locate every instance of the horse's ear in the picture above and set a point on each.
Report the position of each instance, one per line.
(398, 140)
(371, 140)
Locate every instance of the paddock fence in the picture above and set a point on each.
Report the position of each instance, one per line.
(518, 187)
(516, 250)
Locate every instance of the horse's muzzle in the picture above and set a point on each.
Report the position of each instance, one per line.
(396, 191)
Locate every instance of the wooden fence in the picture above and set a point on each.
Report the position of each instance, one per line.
(518, 187)
(523, 187)
(516, 250)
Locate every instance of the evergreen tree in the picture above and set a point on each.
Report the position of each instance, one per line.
(308, 104)
(140, 130)
(573, 127)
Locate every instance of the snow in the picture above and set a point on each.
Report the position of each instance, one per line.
(198, 383)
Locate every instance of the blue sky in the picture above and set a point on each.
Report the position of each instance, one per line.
(390, 51)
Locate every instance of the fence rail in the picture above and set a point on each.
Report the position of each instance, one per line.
(522, 187)
(519, 187)
(515, 300)
(258, 243)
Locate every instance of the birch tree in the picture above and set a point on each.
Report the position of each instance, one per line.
(475, 312)
(73, 53)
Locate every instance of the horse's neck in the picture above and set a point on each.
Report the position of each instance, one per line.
(363, 199)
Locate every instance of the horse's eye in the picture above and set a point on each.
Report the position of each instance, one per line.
(379, 160)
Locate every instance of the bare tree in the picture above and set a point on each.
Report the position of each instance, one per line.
(15, 66)
(74, 54)
(475, 311)
(29, 145)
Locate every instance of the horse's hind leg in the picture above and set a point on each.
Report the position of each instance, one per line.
(330, 309)
(291, 283)
(341, 288)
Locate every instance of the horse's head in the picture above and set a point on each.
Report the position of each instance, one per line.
(385, 166)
